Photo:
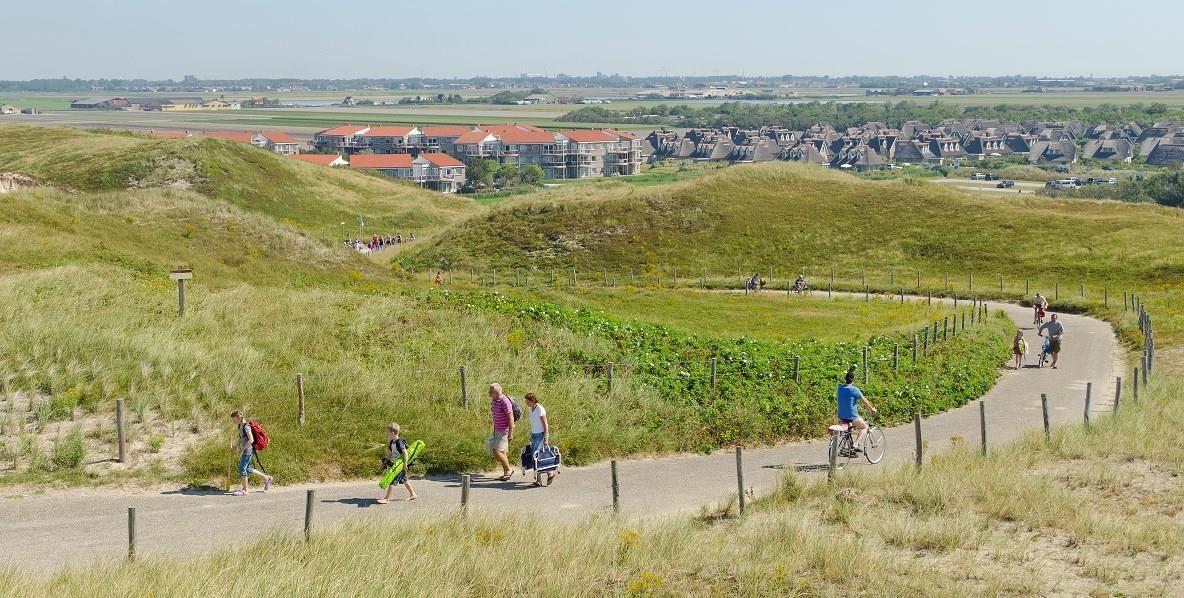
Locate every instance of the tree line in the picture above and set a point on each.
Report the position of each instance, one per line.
(851, 114)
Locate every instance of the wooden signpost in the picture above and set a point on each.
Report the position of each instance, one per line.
(181, 275)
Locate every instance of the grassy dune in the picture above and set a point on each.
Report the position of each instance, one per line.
(305, 196)
(90, 317)
(788, 216)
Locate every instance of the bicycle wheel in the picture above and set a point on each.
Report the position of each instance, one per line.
(874, 445)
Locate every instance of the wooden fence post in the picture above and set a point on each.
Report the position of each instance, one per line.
(797, 362)
(970, 283)
(464, 387)
(931, 298)
(914, 348)
(1044, 409)
(1000, 283)
(740, 476)
(465, 481)
(300, 397)
(832, 456)
(121, 426)
(131, 533)
(917, 433)
(1117, 392)
(1056, 290)
(945, 327)
(609, 373)
(616, 488)
(982, 424)
(1089, 387)
(309, 500)
(1083, 290)
(1135, 386)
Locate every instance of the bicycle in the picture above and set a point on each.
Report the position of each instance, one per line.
(842, 444)
(1044, 354)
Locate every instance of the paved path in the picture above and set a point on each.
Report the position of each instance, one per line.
(44, 532)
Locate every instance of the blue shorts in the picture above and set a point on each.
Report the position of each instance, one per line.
(536, 440)
(244, 464)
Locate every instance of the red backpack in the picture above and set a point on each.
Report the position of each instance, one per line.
(260, 436)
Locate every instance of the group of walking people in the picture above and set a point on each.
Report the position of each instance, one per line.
(379, 242)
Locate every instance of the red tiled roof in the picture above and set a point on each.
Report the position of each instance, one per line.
(277, 137)
(380, 161)
(583, 136)
(344, 130)
(231, 135)
(441, 160)
(389, 131)
(445, 130)
(621, 134)
(499, 129)
(322, 159)
(472, 137)
(169, 134)
(521, 134)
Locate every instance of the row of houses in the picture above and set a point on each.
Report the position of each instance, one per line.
(435, 171)
(569, 154)
(281, 143)
(874, 145)
(173, 104)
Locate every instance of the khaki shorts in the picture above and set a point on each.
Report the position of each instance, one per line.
(498, 441)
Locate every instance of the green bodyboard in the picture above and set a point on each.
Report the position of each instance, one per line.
(392, 472)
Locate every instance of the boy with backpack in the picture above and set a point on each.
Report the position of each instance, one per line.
(395, 448)
(251, 438)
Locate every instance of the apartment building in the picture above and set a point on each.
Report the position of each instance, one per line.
(391, 139)
(438, 172)
(569, 154)
(346, 139)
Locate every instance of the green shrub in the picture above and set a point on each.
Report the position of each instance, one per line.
(69, 453)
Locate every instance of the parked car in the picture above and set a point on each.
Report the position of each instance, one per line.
(1062, 168)
(978, 176)
(1005, 185)
(992, 176)
(1061, 184)
(1111, 181)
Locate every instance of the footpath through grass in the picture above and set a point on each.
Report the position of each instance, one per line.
(1094, 513)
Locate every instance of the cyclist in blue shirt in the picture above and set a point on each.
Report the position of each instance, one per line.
(849, 396)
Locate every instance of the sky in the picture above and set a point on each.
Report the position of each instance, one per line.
(227, 39)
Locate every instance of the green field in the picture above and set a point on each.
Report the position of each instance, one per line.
(771, 315)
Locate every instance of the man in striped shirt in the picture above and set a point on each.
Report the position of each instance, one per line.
(503, 428)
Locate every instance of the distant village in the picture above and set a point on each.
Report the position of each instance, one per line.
(435, 157)
(875, 146)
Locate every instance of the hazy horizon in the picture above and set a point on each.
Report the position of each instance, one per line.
(132, 39)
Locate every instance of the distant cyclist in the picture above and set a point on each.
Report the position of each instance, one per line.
(800, 285)
(849, 396)
(1039, 306)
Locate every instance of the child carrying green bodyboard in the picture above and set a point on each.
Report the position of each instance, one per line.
(398, 457)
